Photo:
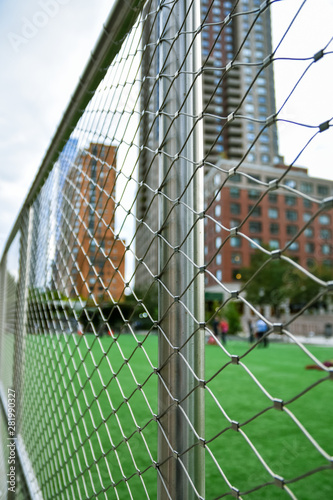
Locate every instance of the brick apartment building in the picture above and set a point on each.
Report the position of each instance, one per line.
(96, 256)
(273, 222)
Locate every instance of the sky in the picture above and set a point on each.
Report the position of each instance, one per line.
(40, 70)
(44, 47)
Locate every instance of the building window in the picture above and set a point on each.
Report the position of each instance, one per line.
(255, 240)
(291, 215)
(325, 234)
(265, 158)
(217, 179)
(274, 228)
(273, 213)
(256, 211)
(309, 247)
(274, 244)
(254, 194)
(309, 232)
(234, 222)
(322, 189)
(291, 183)
(307, 216)
(290, 200)
(217, 210)
(273, 197)
(324, 219)
(253, 179)
(307, 203)
(235, 242)
(306, 187)
(218, 259)
(218, 242)
(235, 208)
(328, 262)
(291, 230)
(264, 138)
(234, 192)
(255, 227)
(236, 178)
(219, 274)
(294, 246)
(217, 228)
(236, 258)
(326, 249)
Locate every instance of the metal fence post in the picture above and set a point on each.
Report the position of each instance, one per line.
(3, 267)
(22, 299)
(28, 475)
(181, 290)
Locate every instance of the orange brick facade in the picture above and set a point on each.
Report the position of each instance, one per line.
(277, 219)
(99, 267)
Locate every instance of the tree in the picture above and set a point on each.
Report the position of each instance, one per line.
(232, 315)
(278, 281)
(302, 289)
(269, 285)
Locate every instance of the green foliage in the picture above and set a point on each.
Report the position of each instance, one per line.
(301, 289)
(232, 315)
(210, 309)
(269, 284)
(276, 281)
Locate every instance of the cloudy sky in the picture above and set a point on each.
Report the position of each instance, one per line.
(40, 69)
(44, 46)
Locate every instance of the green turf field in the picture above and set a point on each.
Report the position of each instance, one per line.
(81, 397)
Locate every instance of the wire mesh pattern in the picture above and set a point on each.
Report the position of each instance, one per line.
(167, 210)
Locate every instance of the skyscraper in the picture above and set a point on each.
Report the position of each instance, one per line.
(238, 102)
(238, 82)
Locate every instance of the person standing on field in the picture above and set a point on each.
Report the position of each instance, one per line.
(224, 327)
(261, 329)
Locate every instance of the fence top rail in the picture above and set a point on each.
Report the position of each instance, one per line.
(118, 24)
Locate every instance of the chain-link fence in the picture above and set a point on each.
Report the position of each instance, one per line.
(166, 291)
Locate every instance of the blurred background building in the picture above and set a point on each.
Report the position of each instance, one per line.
(92, 260)
(237, 82)
(278, 218)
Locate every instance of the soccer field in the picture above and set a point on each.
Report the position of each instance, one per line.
(85, 420)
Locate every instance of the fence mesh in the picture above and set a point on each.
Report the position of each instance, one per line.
(165, 223)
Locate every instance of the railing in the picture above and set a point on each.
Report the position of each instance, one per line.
(162, 226)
